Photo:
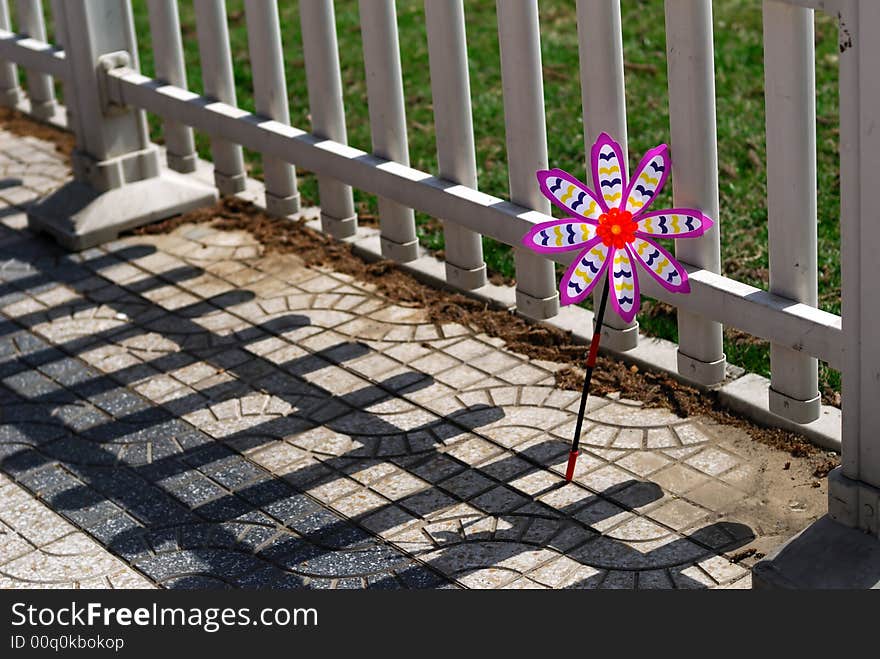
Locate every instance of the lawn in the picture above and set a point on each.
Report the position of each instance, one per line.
(740, 100)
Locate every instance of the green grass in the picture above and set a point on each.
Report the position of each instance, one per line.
(740, 101)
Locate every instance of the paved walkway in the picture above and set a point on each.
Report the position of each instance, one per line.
(183, 411)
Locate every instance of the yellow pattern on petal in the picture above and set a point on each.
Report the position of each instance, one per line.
(645, 177)
(568, 195)
(609, 170)
(612, 197)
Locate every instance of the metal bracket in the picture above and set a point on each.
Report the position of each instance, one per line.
(109, 91)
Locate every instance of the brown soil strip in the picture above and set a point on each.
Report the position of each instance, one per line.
(23, 126)
(536, 341)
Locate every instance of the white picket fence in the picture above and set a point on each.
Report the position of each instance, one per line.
(106, 98)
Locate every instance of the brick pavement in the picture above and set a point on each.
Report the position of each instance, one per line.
(184, 411)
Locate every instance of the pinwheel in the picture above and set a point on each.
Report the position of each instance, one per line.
(611, 229)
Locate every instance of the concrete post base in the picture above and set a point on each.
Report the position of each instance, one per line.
(282, 206)
(467, 279)
(853, 503)
(799, 411)
(400, 252)
(339, 228)
(706, 373)
(79, 217)
(537, 308)
(825, 555)
(614, 338)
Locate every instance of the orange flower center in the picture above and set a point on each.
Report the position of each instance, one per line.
(616, 228)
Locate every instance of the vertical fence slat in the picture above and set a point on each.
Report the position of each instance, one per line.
(218, 81)
(41, 92)
(324, 81)
(694, 153)
(168, 56)
(526, 133)
(270, 96)
(453, 122)
(790, 101)
(600, 47)
(387, 119)
(9, 90)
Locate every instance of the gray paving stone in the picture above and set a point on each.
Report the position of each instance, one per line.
(272, 577)
(197, 582)
(48, 481)
(27, 424)
(223, 563)
(164, 386)
(346, 563)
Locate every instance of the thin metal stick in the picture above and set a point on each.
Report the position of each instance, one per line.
(588, 376)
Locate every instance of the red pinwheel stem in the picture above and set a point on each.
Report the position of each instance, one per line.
(588, 376)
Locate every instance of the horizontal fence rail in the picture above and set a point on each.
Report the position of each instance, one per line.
(33, 54)
(799, 326)
(786, 315)
(728, 301)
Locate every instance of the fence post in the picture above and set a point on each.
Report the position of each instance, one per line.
(62, 38)
(694, 155)
(168, 55)
(10, 93)
(454, 130)
(526, 132)
(854, 487)
(118, 183)
(219, 83)
(600, 47)
(387, 120)
(790, 101)
(326, 108)
(41, 92)
(270, 96)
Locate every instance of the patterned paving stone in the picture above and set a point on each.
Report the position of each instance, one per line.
(202, 415)
(39, 549)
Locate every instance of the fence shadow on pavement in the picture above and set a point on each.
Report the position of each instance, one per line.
(191, 510)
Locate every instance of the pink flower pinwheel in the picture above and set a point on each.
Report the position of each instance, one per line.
(613, 229)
